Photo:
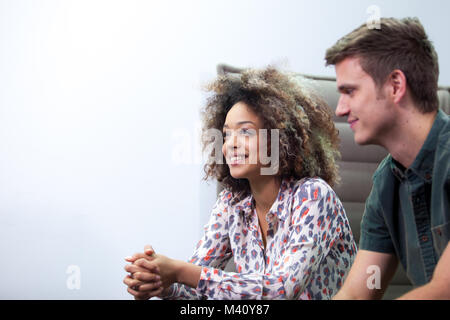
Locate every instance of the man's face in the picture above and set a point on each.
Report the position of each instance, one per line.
(368, 112)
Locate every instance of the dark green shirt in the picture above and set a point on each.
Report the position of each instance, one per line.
(408, 211)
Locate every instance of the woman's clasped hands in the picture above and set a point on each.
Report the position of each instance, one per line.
(149, 274)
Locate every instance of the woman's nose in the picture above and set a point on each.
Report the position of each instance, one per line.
(231, 142)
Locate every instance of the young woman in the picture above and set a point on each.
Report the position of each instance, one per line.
(287, 231)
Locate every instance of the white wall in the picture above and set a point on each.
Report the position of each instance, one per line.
(94, 99)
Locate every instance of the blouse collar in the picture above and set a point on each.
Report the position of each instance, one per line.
(246, 206)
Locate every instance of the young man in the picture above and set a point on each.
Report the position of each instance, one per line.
(388, 78)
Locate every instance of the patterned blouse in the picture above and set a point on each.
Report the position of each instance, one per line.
(310, 247)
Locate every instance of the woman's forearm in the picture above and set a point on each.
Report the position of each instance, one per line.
(188, 273)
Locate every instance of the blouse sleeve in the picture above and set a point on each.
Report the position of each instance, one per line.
(315, 227)
(213, 250)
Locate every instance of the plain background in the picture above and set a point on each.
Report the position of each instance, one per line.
(99, 119)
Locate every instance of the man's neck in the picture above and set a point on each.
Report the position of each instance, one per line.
(409, 135)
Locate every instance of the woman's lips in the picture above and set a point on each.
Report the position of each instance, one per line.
(236, 160)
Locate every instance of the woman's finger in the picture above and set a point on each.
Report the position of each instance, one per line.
(146, 277)
(155, 293)
(132, 283)
(138, 295)
(133, 268)
(149, 287)
(149, 265)
(141, 255)
(137, 256)
(128, 281)
(148, 249)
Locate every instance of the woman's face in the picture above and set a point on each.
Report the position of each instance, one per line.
(241, 140)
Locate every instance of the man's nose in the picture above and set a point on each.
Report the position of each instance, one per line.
(342, 108)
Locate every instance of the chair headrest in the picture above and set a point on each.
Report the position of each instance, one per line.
(326, 88)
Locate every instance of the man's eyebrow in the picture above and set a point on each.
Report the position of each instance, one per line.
(344, 87)
(241, 123)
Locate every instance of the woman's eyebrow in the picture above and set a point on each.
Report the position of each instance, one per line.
(240, 123)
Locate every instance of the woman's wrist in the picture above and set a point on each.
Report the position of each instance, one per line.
(187, 273)
(178, 270)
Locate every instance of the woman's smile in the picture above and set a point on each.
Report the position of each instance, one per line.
(237, 160)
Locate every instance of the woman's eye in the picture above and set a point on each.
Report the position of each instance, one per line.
(241, 132)
(245, 131)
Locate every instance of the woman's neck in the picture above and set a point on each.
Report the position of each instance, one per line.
(265, 191)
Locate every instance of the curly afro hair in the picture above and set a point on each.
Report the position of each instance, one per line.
(309, 141)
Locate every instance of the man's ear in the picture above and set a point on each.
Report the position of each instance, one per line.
(397, 85)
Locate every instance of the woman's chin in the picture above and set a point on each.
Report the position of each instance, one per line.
(237, 172)
(236, 175)
(244, 171)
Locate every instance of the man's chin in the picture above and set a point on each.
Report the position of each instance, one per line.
(362, 141)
